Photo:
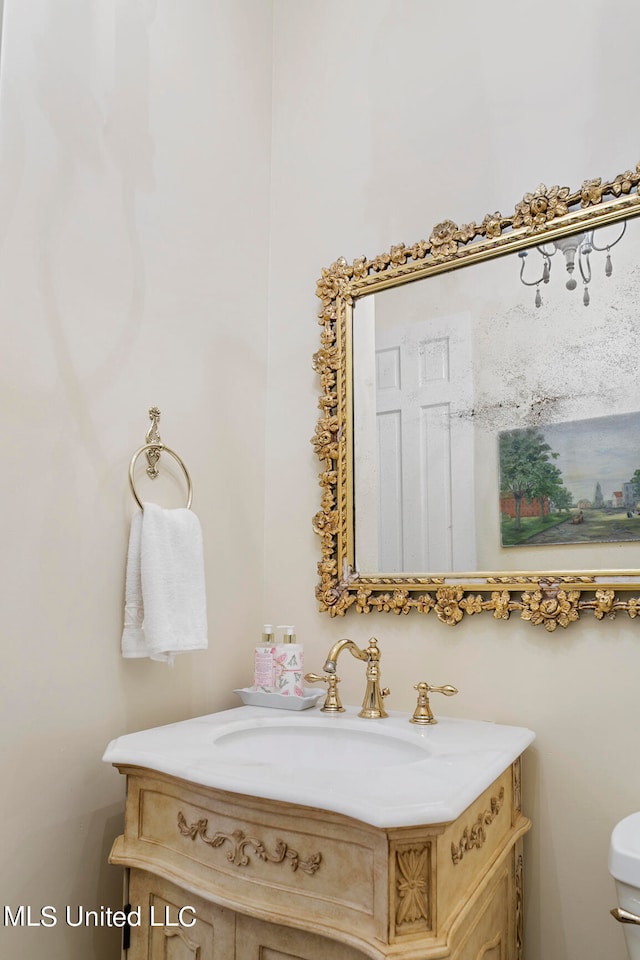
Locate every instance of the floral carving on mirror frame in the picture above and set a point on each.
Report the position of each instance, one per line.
(543, 600)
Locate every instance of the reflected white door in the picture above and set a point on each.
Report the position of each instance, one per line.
(424, 425)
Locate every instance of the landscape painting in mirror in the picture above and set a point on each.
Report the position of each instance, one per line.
(575, 482)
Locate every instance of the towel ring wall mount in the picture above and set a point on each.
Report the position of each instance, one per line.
(153, 448)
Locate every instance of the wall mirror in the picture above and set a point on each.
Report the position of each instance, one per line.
(480, 416)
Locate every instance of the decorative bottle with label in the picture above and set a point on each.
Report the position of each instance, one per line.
(263, 663)
(288, 665)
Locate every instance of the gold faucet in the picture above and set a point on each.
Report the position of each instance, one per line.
(372, 707)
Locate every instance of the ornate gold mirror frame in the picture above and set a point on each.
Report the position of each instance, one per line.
(550, 599)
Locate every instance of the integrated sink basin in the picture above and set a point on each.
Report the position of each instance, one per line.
(346, 745)
(385, 772)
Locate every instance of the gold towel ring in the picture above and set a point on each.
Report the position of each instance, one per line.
(161, 448)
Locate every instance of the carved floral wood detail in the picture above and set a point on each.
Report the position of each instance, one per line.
(475, 836)
(412, 885)
(541, 599)
(240, 842)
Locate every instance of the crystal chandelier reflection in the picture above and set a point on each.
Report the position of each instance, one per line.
(576, 249)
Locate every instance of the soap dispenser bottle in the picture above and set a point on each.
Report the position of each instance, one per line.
(288, 665)
(263, 663)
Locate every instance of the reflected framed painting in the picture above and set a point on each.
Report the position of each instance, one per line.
(572, 482)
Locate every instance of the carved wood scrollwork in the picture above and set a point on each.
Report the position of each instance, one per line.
(519, 925)
(541, 599)
(475, 836)
(240, 842)
(516, 772)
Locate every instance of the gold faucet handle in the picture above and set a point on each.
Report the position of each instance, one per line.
(448, 690)
(423, 712)
(332, 700)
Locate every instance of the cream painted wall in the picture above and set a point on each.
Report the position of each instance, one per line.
(134, 190)
(389, 117)
(135, 164)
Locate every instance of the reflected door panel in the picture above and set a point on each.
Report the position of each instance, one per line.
(424, 456)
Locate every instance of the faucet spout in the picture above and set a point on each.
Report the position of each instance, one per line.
(332, 657)
(372, 706)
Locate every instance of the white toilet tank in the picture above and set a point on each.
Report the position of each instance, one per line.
(624, 867)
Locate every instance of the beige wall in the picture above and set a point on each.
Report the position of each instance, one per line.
(134, 189)
(390, 117)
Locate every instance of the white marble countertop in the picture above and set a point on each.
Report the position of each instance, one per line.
(385, 772)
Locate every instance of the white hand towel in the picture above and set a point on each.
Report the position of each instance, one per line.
(165, 598)
(134, 642)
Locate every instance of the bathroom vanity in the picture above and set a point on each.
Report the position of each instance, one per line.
(256, 834)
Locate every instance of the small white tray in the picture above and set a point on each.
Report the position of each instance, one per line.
(257, 698)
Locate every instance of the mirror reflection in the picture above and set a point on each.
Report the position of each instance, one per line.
(457, 378)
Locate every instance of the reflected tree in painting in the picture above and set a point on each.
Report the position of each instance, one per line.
(524, 459)
(529, 476)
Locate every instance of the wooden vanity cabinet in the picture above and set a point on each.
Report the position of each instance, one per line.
(221, 876)
(206, 933)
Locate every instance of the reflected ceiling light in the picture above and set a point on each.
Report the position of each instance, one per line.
(575, 249)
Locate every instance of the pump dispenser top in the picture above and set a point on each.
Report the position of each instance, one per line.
(289, 635)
